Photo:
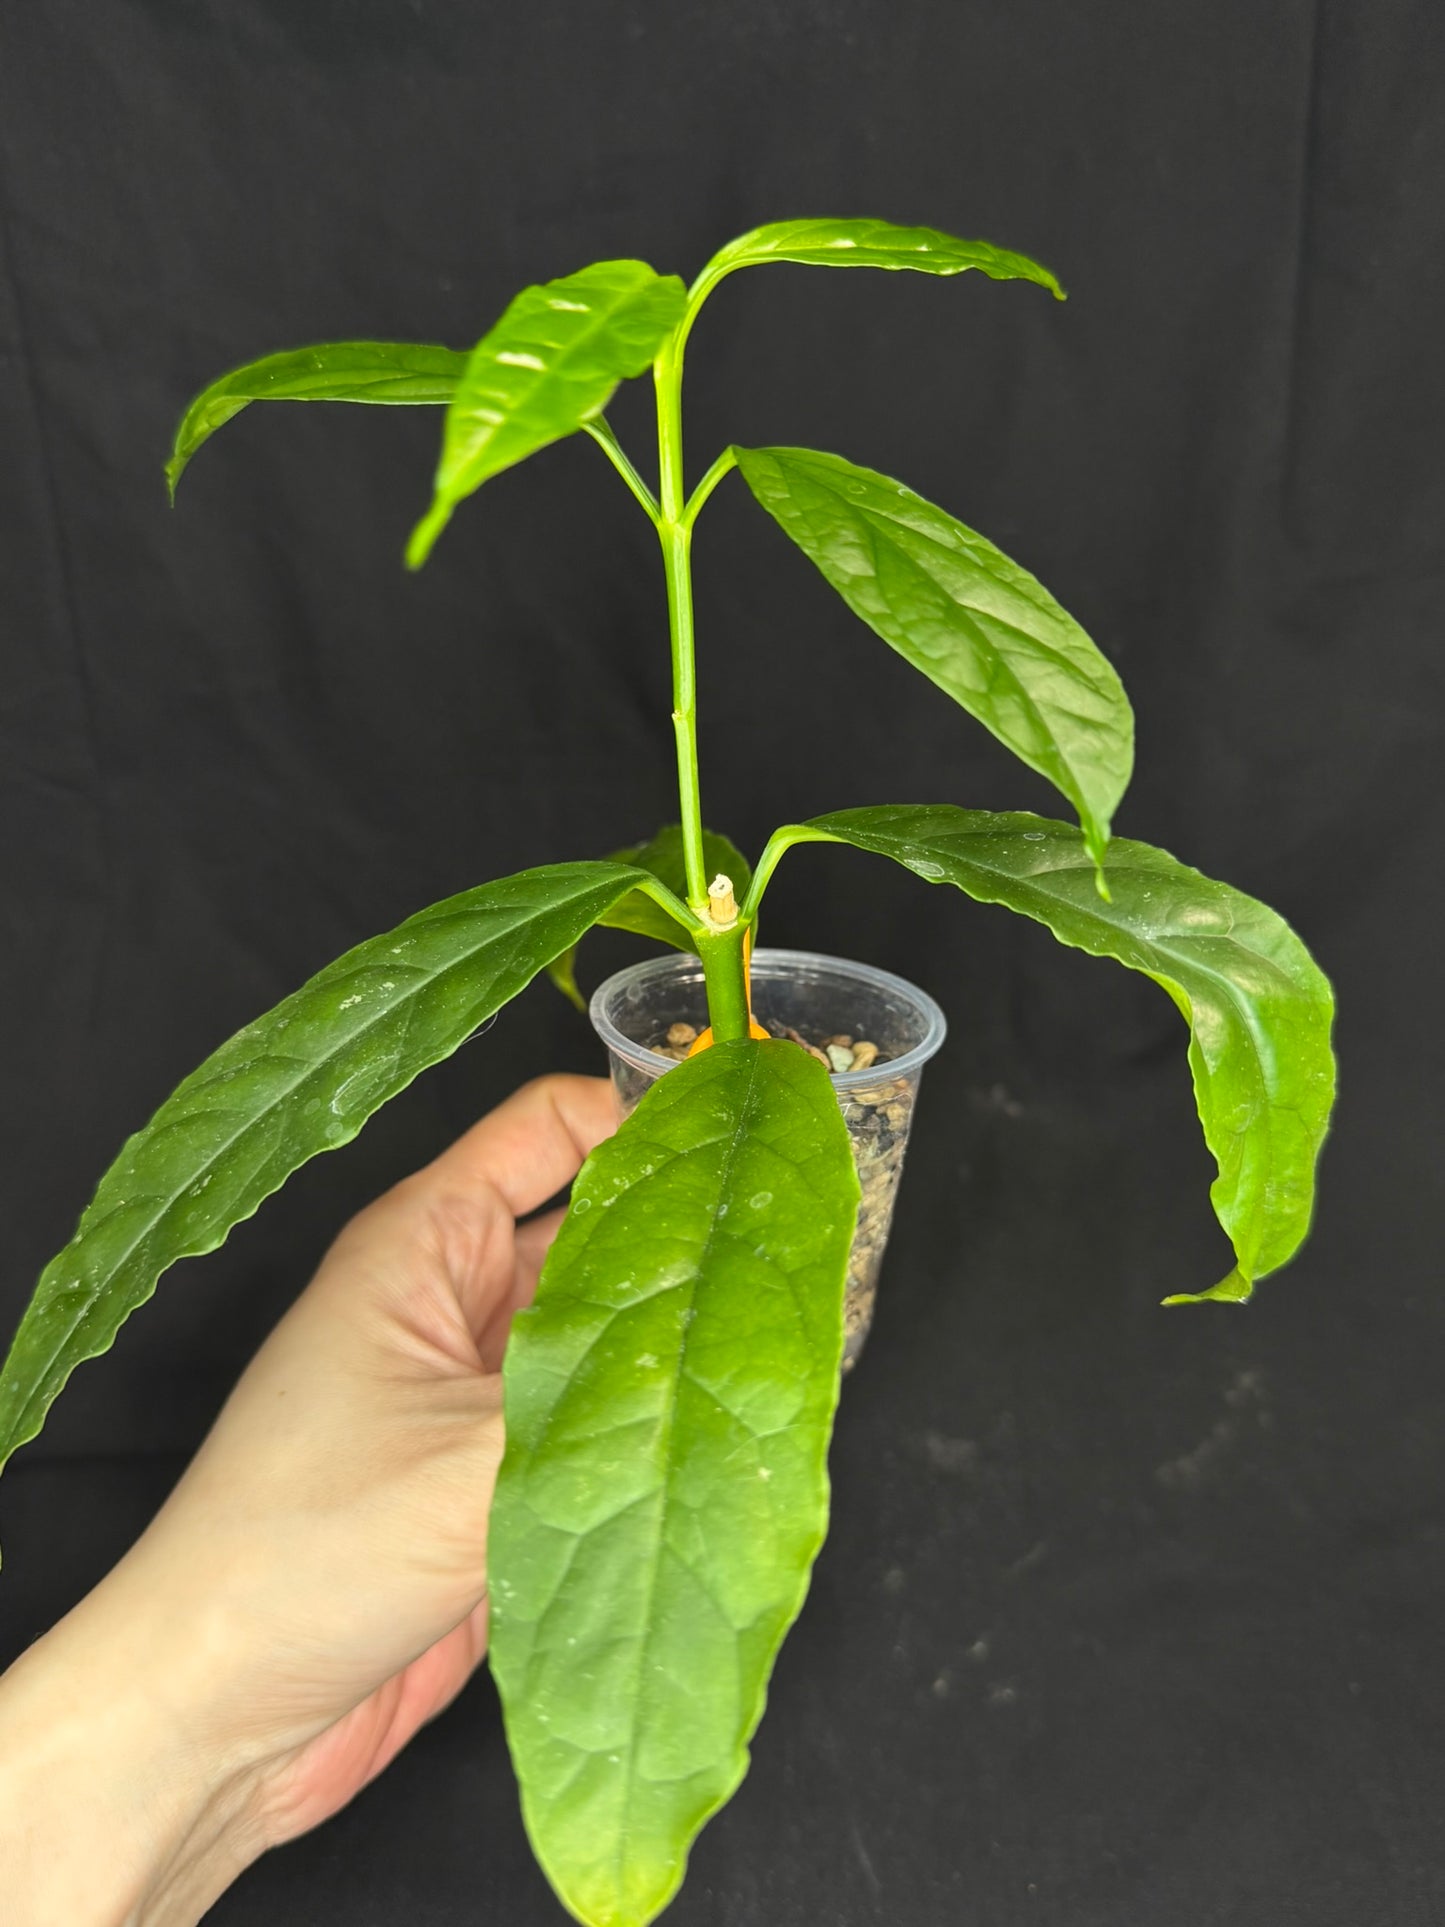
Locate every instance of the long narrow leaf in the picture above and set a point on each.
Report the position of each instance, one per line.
(399, 373)
(825, 243)
(1258, 1007)
(664, 1492)
(300, 1080)
(958, 609)
(552, 362)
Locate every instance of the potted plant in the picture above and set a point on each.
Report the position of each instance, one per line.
(669, 1398)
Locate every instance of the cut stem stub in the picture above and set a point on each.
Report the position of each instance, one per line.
(722, 905)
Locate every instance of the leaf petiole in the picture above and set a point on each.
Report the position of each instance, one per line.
(778, 844)
(727, 460)
(654, 887)
(600, 429)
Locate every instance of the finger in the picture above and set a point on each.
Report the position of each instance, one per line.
(529, 1249)
(532, 1145)
(533, 1242)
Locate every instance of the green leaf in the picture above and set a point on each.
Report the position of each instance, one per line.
(395, 372)
(1258, 1007)
(302, 1079)
(957, 608)
(662, 857)
(664, 1491)
(874, 244)
(552, 362)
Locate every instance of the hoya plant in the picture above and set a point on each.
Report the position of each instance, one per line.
(669, 1398)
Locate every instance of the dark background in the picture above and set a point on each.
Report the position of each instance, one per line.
(1127, 1617)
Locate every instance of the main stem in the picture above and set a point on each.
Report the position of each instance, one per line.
(676, 538)
(722, 954)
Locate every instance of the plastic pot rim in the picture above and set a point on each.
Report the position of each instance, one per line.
(768, 962)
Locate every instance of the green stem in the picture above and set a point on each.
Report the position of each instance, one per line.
(601, 432)
(721, 952)
(675, 535)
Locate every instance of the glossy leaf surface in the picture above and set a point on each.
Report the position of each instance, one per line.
(401, 373)
(662, 856)
(957, 608)
(300, 1080)
(1258, 1007)
(551, 363)
(668, 1402)
(824, 243)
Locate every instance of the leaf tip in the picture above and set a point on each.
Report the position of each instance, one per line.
(1046, 278)
(1236, 1289)
(424, 536)
(175, 468)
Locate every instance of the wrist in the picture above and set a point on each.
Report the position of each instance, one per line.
(118, 1807)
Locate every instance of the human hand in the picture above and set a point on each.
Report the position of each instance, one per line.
(315, 1587)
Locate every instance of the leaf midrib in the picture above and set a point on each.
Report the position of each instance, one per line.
(738, 1135)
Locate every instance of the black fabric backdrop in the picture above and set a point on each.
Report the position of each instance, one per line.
(1127, 1617)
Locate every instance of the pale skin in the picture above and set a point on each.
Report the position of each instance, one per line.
(314, 1590)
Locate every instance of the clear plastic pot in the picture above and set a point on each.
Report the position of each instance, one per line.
(820, 998)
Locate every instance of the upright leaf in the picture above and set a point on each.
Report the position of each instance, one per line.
(401, 373)
(874, 244)
(552, 362)
(662, 857)
(1258, 1007)
(302, 1079)
(957, 608)
(664, 1491)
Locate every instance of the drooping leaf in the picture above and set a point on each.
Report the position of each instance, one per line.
(662, 856)
(1258, 1007)
(552, 362)
(958, 609)
(668, 1404)
(400, 373)
(300, 1080)
(826, 243)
